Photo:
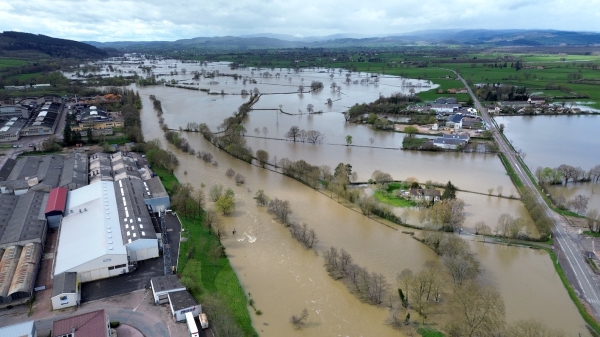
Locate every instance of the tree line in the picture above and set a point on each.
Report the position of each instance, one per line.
(395, 104)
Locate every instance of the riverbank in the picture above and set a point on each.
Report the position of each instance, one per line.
(200, 261)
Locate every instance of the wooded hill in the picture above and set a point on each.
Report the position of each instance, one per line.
(16, 44)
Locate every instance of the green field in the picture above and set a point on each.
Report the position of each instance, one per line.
(211, 272)
(22, 77)
(388, 197)
(4, 62)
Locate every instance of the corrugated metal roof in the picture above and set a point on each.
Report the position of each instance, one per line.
(56, 201)
(8, 265)
(65, 283)
(27, 221)
(92, 324)
(23, 278)
(25, 329)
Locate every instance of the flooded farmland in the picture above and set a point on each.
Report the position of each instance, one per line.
(549, 141)
(284, 278)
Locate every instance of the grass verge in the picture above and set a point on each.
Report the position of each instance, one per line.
(594, 234)
(511, 171)
(202, 259)
(589, 319)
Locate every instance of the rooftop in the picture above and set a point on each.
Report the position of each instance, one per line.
(182, 300)
(136, 222)
(13, 125)
(51, 171)
(154, 188)
(92, 324)
(92, 221)
(20, 329)
(22, 217)
(165, 283)
(57, 200)
(65, 283)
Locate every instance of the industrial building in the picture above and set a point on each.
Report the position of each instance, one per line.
(42, 173)
(10, 130)
(22, 219)
(18, 270)
(155, 195)
(95, 118)
(55, 207)
(90, 241)
(43, 121)
(10, 111)
(111, 221)
(114, 166)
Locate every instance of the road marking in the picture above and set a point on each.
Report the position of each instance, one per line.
(134, 309)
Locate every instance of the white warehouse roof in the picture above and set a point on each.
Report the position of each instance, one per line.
(90, 228)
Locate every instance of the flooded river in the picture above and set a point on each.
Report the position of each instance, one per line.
(284, 278)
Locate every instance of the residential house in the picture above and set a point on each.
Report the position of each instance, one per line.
(536, 100)
(92, 324)
(455, 121)
(451, 142)
(425, 194)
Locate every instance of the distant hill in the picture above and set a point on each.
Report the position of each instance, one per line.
(19, 44)
(478, 37)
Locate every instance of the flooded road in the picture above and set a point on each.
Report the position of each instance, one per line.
(283, 278)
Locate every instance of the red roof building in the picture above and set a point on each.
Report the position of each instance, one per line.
(92, 324)
(56, 201)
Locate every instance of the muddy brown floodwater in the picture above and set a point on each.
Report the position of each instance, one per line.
(284, 278)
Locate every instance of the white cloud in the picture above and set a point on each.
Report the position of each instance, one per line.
(112, 20)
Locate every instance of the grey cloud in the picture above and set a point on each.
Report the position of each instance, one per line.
(160, 20)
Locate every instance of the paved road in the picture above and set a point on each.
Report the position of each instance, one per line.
(571, 255)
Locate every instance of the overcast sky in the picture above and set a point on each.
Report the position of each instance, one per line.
(121, 20)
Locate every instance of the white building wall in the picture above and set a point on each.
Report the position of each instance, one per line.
(142, 249)
(71, 301)
(99, 268)
(179, 315)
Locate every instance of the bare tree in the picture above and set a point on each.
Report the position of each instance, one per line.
(281, 209)
(593, 220)
(310, 108)
(293, 133)
(579, 203)
(257, 131)
(531, 327)
(371, 141)
(299, 321)
(265, 131)
(476, 311)
(405, 281)
(500, 189)
(261, 198)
